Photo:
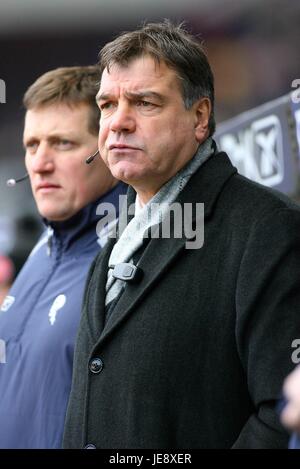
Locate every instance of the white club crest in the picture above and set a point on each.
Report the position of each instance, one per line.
(7, 303)
(2, 351)
(58, 303)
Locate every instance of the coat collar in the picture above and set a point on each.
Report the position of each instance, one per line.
(204, 186)
(207, 183)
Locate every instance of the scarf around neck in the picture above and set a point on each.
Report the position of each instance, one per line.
(149, 215)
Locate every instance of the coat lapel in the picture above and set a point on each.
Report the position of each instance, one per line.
(96, 292)
(204, 186)
(154, 262)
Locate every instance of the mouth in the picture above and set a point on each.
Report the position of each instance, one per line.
(121, 147)
(46, 187)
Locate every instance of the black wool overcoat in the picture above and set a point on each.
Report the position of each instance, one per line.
(194, 355)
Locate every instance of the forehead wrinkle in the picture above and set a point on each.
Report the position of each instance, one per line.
(143, 94)
(131, 95)
(116, 82)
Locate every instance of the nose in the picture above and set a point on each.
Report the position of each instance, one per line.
(42, 160)
(123, 119)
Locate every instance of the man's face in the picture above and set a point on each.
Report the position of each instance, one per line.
(146, 134)
(57, 142)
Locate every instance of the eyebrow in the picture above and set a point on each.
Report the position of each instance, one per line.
(27, 140)
(51, 138)
(145, 94)
(132, 95)
(102, 96)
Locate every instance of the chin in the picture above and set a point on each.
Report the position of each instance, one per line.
(126, 174)
(50, 214)
(57, 217)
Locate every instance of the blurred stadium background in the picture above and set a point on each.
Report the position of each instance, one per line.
(253, 47)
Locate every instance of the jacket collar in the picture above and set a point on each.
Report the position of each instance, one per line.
(68, 231)
(204, 186)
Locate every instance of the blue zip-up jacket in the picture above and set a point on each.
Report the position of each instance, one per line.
(38, 324)
(294, 442)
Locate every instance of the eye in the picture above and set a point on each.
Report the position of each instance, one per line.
(106, 105)
(64, 144)
(31, 146)
(144, 103)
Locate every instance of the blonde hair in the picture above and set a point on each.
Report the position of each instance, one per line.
(70, 85)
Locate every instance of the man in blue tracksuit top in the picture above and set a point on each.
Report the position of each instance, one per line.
(40, 315)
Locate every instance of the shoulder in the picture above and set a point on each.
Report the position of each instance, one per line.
(263, 195)
(249, 200)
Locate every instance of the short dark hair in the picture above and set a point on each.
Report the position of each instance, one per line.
(70, 85)
(177, 48)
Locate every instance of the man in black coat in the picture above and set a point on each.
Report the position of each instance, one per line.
(191, 353)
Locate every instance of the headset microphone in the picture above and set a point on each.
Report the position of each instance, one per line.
(13, 182)
(91, 158)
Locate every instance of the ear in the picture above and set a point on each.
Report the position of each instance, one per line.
(202, 115)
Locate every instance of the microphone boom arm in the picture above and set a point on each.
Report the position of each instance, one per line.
(13, 182)
(92, 157)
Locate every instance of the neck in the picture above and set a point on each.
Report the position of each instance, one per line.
(144, 196)
(146, 193)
